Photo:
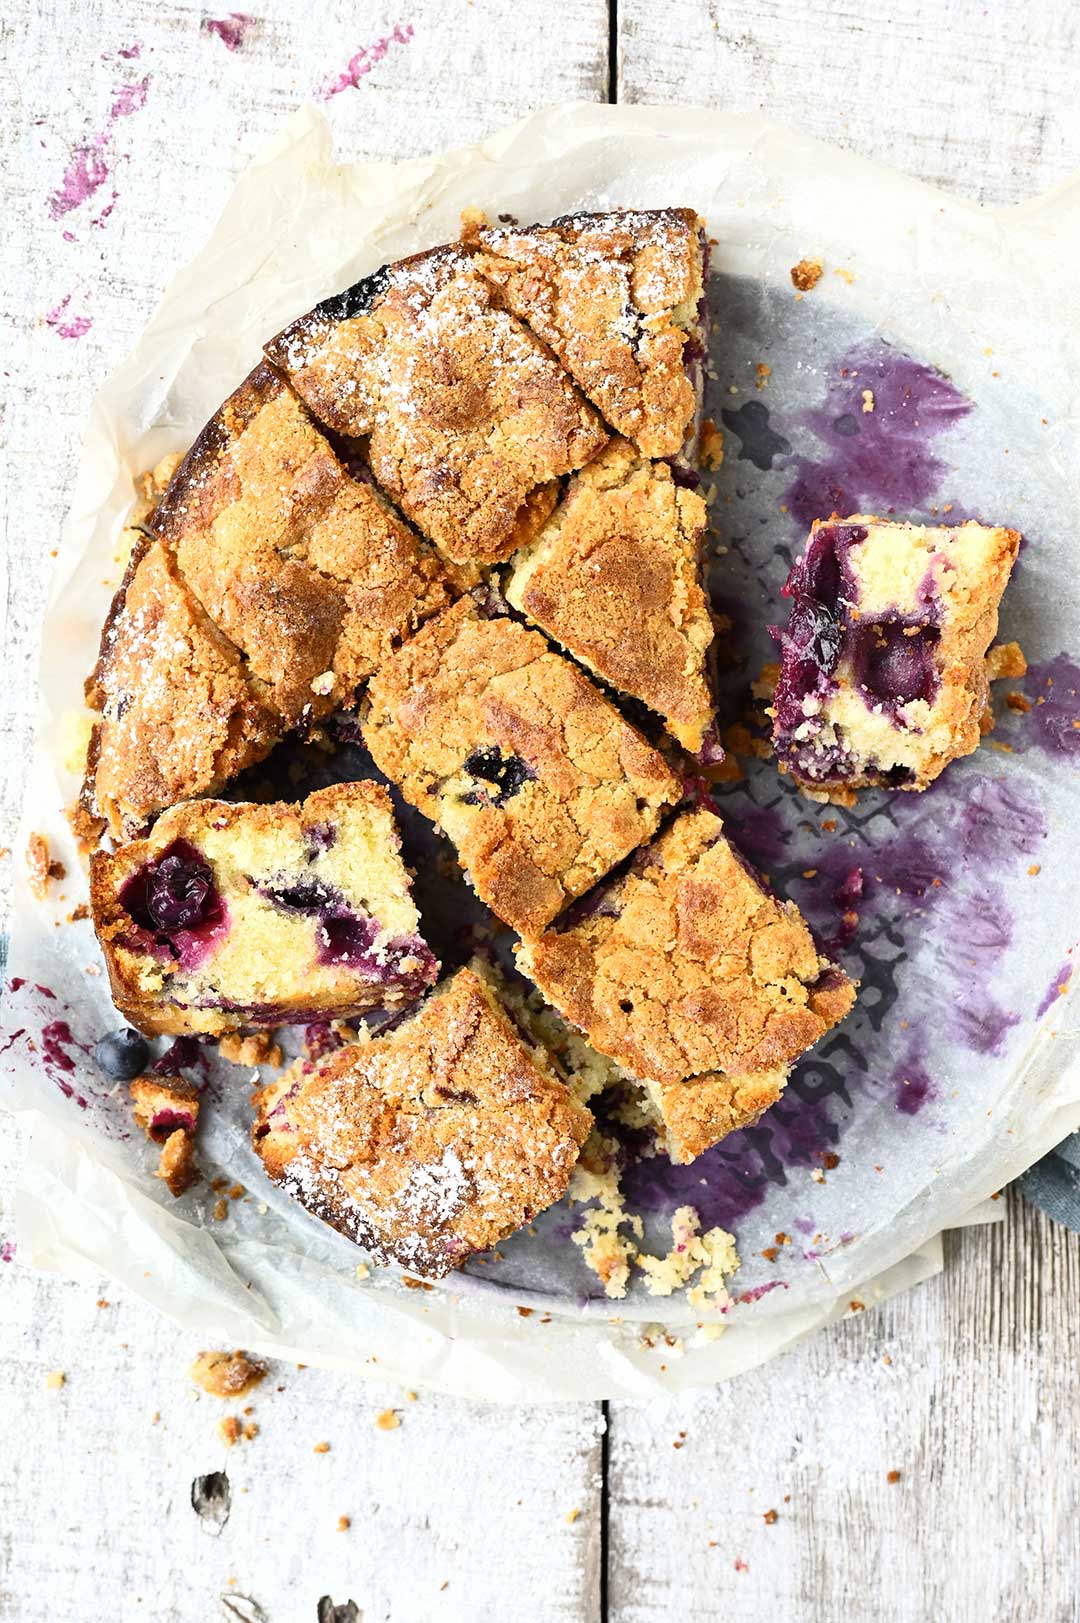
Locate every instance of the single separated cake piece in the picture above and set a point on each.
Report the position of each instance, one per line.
(180, 710)
(883, 677)
(620, 298)
(431, 1142)
(305, 568)
(696, 980)
(232, 916)
(470, 420)
(518, 758)
(615, 577)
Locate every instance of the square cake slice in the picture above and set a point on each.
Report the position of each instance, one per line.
(470, 420)
(180, 710)
(519, 759)
(620, 298)
(229, 917)
(615, 577)
(431, 1142)
(695, 979)
(883, 677)
(305, 568)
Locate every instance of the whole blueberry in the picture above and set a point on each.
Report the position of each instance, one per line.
(122, 1054)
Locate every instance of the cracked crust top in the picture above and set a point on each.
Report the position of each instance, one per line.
(615, 296)
(307, 569)
(689, 966)
(615, 577)
(432, 1142)
(181, 713)
(471, 420)
(534, 775)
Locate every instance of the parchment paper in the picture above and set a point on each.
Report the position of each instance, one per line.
(960, 1066)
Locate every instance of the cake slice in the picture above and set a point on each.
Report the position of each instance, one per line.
(696, 980)
(519, 759)
(615, 577)
(180, 709)
(235, 916)
(620, 298)
(304, 567)
(432, 1142)
(883, 677)
(469, 419)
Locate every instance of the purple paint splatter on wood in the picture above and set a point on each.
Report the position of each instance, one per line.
(366, 58)
(1057, 988)
(88, 167)
(232, 30)
(880, 458)
(66, 326)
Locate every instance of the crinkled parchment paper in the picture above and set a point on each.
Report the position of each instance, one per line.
(959, 1067)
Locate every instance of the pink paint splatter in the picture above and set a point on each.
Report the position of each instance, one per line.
(88, 167)
(367, 57)
(66, 326)
(232, 30)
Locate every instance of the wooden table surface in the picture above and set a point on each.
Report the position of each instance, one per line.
(125, 126)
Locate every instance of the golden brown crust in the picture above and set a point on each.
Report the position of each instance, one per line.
(164, 1105)
(615, 578)
(689, 966)
(435, 1141)
(305, 568)
(697, 1113)
(613, 295)
(560, 788)
(180, 711)
(471, 420)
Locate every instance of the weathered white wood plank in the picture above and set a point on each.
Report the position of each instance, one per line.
(984, 99)
(965, 1386)
(500, 1506)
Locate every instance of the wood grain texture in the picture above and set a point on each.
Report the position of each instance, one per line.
(976, 1407)
(981, 99)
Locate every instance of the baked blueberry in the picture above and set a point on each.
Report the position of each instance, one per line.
(122, 1054)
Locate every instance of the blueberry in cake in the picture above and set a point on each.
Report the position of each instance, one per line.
(615, 577)
(432, 1142)
(620, 299)
(231, 916)
(519, 759)
(180, 712)
(883, 678)
(700, 984)
(307, 569)
(469, 421)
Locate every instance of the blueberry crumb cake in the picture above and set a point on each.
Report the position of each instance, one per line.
(519, 759)
(233, 915)
(692, 976)
(883, 676)
(432, 1142)
(457, 497)
(615, 576)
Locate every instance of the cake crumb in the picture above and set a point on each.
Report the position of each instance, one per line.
(410, 1397)
(176, 1163)
(868, 400)
(712, 444)
(55, 1380)
(40, 866)
(221, 1209)
(227, 1375)
(321, 1448)
(79, 913)
(257, 1049)
(344, 1523)
(844, 274)
(771, 1518)
(229, 1430)
(762, 374)
(1017, 701)
(323, 684)
(572, 1515)
(1005, 659)
(807, 274)
(892, 1476)
(388, 1420)
(1036, 867)
(363, 1271)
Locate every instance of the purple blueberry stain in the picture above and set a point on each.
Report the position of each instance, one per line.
(67, 325)
(499, 777)
(1057, 988)
(175, 904)
(233, 30)
(7, 1250)
(1053, 722)
(90, 163)
(913, 1086)
(364, 60)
